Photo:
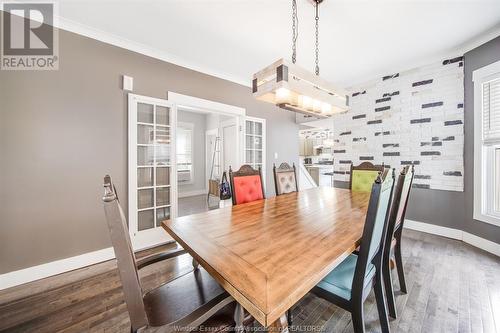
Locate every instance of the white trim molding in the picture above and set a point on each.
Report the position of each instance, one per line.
(128, 44)
(433, 229)
(204, 105)
(457, 234)
(42, 271)
(481, 243)
(52, 268)
(483, 154)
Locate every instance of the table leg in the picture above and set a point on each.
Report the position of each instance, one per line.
(279, 326)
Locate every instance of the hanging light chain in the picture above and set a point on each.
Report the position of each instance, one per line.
(317, 37)
(295, 30)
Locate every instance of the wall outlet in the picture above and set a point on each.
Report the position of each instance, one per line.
(275, 156)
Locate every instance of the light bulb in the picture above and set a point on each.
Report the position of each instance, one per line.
(307, 102)
(282, 95)
(316, 105)
(326, 108)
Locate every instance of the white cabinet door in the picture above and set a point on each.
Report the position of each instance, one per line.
(152, 169)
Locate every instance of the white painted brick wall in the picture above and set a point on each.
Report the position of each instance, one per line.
(446, 139)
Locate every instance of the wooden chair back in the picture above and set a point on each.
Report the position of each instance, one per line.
(285, 178)
(365, 167)
(375, 229)
(125, 257)
(400, 202)
(246, 184)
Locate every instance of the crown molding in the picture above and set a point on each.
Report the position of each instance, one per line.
(115, 40)
(124, 43)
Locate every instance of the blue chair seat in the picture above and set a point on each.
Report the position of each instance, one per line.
(339, 281)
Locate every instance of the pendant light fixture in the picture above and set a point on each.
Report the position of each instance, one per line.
(293, 88)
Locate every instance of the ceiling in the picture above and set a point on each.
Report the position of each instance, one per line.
(359, 40)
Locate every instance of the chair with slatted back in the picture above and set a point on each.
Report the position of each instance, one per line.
(285, 178)
(186, 302)
(349, 284)
(394, 233)
(363, 176)
(246, 184)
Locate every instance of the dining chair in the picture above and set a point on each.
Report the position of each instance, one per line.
(349, 284)
(363, 176)
(393, 240)
(246, 184)
(285, 178)
(188, 301)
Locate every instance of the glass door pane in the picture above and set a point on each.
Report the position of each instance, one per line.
(145, 113)
(153, 165)
(258, 128)
(253, 143)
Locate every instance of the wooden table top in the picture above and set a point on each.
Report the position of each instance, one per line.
(269, 253)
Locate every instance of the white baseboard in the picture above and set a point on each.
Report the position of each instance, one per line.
(42, 271)
(433, 229)
(33, 273)
(192, 193)
(466, 237)
(481, 243)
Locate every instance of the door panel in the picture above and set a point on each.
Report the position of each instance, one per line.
(152, 175)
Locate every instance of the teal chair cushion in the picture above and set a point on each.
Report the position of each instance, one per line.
(362, 180)
(339, 281)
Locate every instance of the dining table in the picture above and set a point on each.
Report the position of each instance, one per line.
(268, 254)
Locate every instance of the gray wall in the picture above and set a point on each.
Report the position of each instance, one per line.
(479, 57)
(454, 209)
(199, 122)
(62, 131)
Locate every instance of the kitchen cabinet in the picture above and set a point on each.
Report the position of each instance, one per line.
(306, 147)
(325, 180)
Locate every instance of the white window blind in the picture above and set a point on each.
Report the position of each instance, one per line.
(491, 111)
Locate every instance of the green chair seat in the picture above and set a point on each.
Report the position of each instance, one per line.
(362, 180)
(339, 281)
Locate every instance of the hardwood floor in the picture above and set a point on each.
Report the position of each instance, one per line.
(452, 287)
(196, 204)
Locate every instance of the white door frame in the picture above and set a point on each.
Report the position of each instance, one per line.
(224, 124)
(208, 157)
(206, 106)
(155, 236)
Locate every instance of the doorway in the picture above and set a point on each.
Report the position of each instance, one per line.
(216, 144)
(229, 154)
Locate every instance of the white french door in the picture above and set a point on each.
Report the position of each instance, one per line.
(152, 195)
(255, 144)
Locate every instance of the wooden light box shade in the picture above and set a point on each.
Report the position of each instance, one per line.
(293, 88)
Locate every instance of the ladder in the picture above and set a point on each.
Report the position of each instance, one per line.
(214, 182)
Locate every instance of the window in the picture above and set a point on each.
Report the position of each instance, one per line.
(487, 144)
(185, 153)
